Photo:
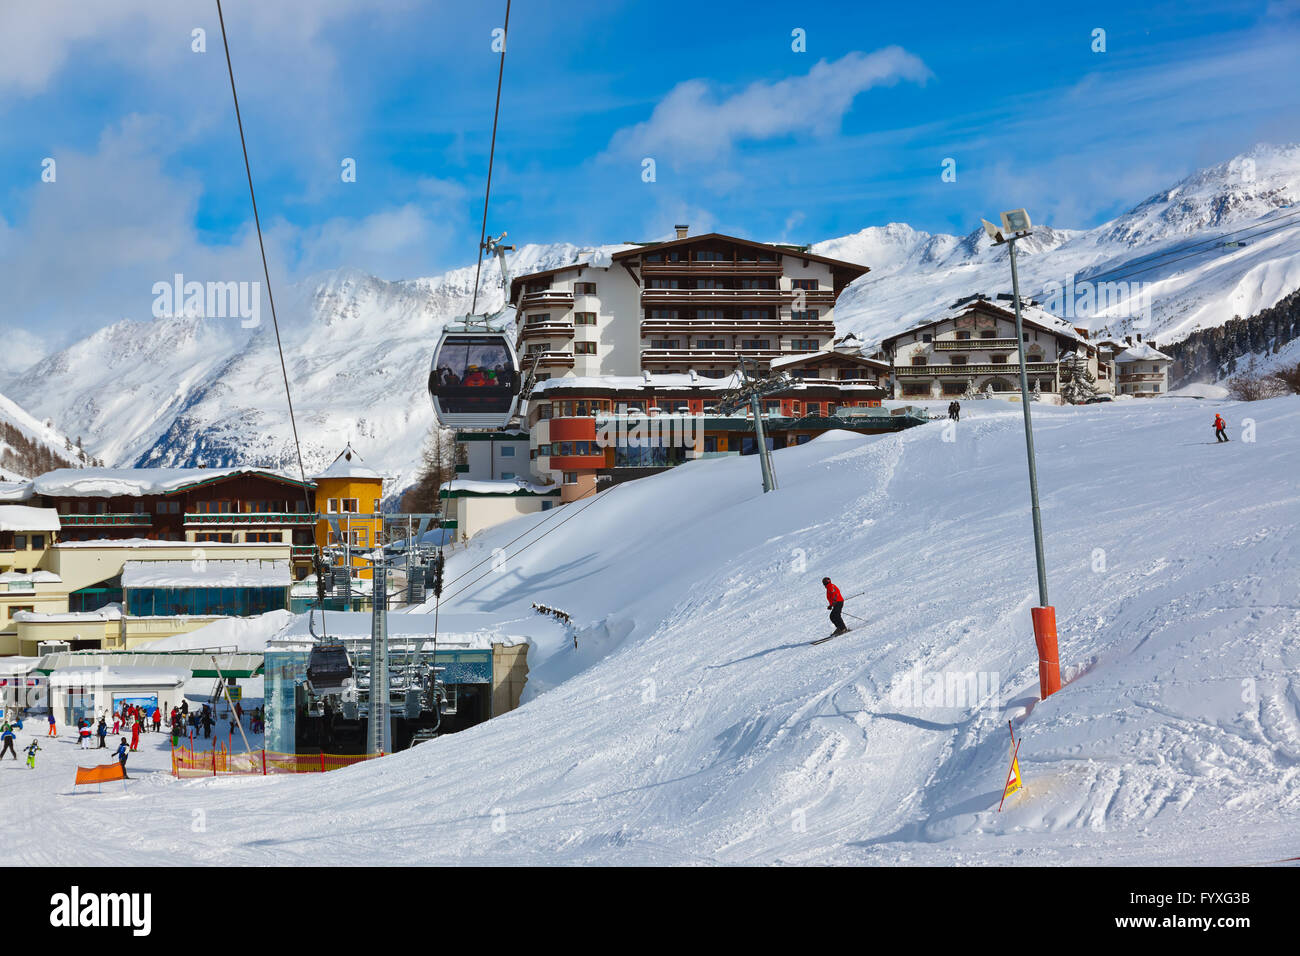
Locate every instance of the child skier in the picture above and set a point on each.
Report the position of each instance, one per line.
(53, 731)
(30, 750)
(1220, 428)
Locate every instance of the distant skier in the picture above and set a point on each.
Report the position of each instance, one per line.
(7, 735)
(30, 750)
(834, 604)
(53, 730)
(102, 731)
(121, 756)
(135, 733)
(1220, 428)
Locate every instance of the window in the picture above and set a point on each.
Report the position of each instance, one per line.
(584, 288)
(16, 608)
(710, 284)
(916, 388)
(756, 344)
(803, 345)
(377, 508)
(988, 333)
(710, 343)
(661, 314)
(508, 451)
(771, 408)
(809, 315)
(709, 255)
(809, 284)
(998, 359)
(543, 411)
(709, 315)
(539, 319)
(349, 505)
(538, 349)
(927, 337)
(918, 359)
(507, 475)
(216, 537)
(756, 284)
(584, 348)
(332, 506)
(263, 537)
(663, 284)
(963, 335)
(957, 360)
(20, 542)
(38, 542)
(756, 315)
(712, 373)
(570, 477)
(665, 343)
(584, 318)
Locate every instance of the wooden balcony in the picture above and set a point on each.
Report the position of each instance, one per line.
(1008, 368)
(114, 520)
(750, 328)
(549, 299)
(545, 330)
(710, 356)
(967, 345)
(547, 359)
(712, 268)
(650, 298)
(252, 518)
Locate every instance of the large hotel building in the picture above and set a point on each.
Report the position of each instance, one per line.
(660, 329)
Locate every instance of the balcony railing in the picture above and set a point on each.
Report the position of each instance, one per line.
(950, 345)
(542, 300)
(548, 359)
(1002, 368)
(118, 520)
(709, 355)
(750, 267)
(750, 328)
(1142, 377)
(251, 518)
(762, 296)
(534, 330)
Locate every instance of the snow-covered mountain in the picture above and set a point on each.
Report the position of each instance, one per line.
(180, 391)
(29, 446)
(186, 391)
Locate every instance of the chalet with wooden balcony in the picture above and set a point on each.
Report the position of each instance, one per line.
(972, 346)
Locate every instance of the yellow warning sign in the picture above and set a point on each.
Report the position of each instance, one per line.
(1014, 782)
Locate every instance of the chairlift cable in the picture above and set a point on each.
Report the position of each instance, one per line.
(266, 272)
(492, 151)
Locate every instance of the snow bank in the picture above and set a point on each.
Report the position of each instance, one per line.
(246, 573)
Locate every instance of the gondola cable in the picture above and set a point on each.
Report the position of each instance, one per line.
(266, 272)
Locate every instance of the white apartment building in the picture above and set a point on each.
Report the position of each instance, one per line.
(1142, 371)
(691, 304)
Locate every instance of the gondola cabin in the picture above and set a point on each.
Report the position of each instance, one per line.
(474, 381)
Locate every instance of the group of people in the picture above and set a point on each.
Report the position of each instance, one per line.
(954, 410)
(8, 734)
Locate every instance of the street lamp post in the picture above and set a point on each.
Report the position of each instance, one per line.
(1016, 226)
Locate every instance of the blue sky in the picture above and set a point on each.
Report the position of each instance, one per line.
(748, 136)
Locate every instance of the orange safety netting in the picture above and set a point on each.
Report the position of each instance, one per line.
(220, 761)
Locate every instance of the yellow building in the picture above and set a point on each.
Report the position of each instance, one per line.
(349, 499)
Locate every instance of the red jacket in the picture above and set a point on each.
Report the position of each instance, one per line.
(833, 594)
(1219, 423)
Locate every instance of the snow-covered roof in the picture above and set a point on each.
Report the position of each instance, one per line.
(456, 630)
(1030, 314)
(24, 518)
(109, 612)
(36, 577)
(250, 573)
(348, 465)
(1142, 352)
(800, 358)
(15, 490)
(136, 482)
(186, 546)
(515, 486)
(117, 677)
(628, 382)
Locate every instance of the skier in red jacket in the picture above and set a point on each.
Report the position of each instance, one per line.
(834, 604)
(1220, 429)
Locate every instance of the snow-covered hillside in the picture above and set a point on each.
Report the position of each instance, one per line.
(914, 274)
(694, 724)
(188, 391)
(29, 446)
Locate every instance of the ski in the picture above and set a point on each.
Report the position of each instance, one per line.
(823, 640)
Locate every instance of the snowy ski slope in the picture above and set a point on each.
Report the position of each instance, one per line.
(693, 724)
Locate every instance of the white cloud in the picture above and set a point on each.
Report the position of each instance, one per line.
(695, 123)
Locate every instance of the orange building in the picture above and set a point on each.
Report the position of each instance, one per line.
(352, 495)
